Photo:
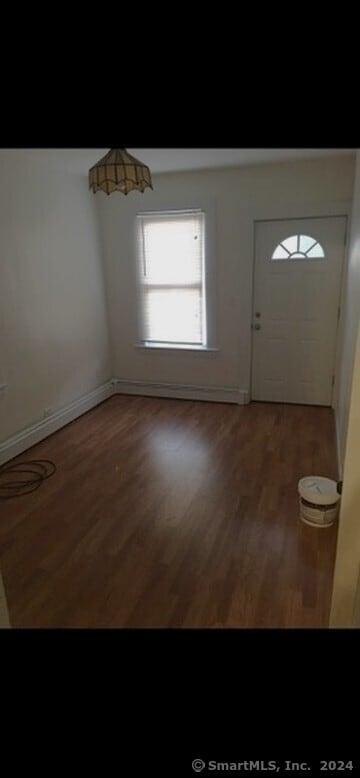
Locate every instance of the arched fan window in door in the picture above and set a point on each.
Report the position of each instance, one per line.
(299, 247)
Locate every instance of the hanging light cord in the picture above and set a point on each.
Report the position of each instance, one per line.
(31, 475)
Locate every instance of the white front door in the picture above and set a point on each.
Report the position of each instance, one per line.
(297, 282)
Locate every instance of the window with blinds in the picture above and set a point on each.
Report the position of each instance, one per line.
(171, 276)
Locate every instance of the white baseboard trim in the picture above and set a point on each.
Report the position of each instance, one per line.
(181, 391)
(338, 447)
(36, 432)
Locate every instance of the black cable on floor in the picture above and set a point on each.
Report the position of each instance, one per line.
(32, 474)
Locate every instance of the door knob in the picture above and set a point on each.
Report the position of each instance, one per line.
(257, 326)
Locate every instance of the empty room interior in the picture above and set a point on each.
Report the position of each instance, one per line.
(179, 349)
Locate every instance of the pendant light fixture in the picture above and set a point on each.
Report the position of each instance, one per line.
(118, 170)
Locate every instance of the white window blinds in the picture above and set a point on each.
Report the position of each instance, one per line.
(171, 274)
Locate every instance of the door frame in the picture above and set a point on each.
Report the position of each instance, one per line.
(333, 211)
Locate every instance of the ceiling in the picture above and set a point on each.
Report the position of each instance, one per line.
(168, 160)
(171, 160)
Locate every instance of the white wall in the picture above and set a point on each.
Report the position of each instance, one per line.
(345, 609)
(53, 325)
(347, 565)
(237, 196)
(349, 319)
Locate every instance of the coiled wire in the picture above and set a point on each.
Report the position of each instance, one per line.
(20, 478)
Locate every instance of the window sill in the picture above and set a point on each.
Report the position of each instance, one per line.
(173, 347)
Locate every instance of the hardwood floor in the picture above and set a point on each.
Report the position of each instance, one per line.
(173, 513)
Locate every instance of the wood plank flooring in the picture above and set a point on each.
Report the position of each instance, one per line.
(172, 513)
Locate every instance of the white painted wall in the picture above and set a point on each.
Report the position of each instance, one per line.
(349, 319)
(53, 325)
(345, 610)
(238, 196)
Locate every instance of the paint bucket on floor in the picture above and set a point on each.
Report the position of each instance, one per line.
(319, 500)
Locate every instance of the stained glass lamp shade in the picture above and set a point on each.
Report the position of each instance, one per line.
(118, 170)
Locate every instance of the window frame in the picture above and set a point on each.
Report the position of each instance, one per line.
(208, 281)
